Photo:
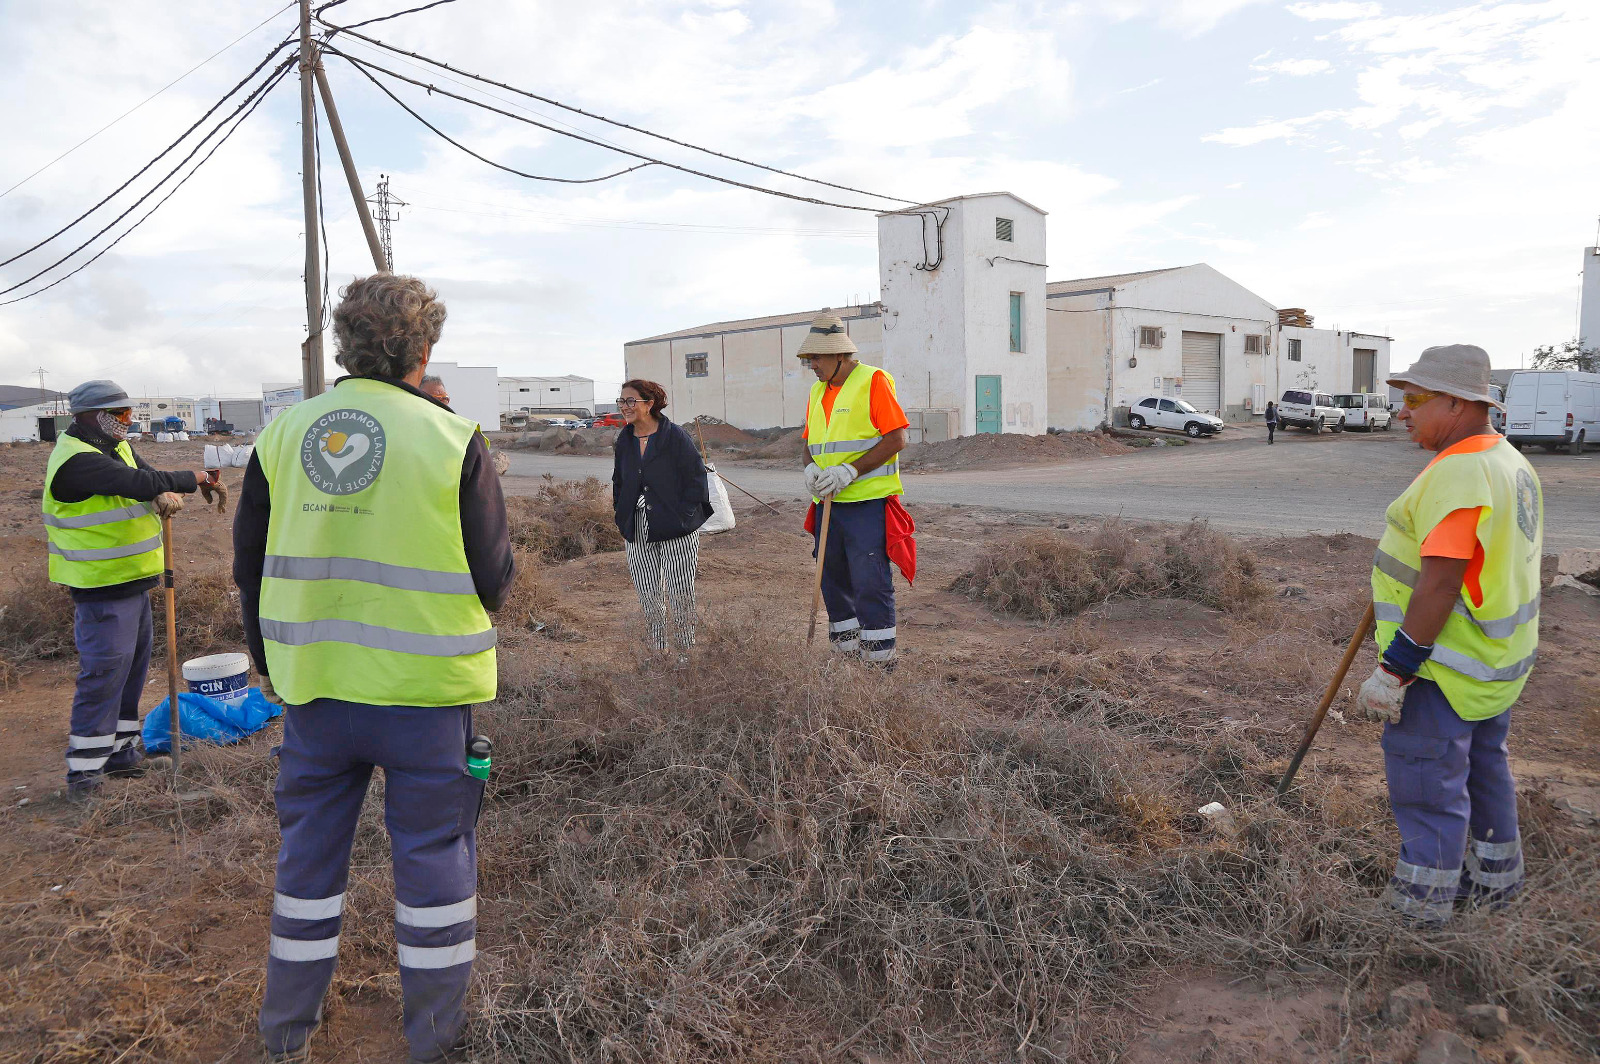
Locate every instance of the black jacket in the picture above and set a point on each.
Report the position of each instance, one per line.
(484, 532)
(86, 475)
(671, 477)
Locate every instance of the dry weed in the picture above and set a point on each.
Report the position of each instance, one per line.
(564, 519)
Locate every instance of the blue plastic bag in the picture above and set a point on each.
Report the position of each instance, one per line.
(208, 720)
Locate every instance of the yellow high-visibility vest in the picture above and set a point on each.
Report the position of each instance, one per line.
(103, 540)
(366, 595)
(849, 433)
(1482, 657)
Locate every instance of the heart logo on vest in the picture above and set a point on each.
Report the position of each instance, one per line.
(342, 452)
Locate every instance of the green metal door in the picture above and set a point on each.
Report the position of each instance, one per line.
(988, 408)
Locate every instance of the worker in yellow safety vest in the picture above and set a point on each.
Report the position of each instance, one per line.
(1455, 588)
(103, 506)
(855, 430)
(369, 546)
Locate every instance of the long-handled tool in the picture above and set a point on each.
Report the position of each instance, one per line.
(701, 437)
(822, 554)
(173, 715)
(1315, 723)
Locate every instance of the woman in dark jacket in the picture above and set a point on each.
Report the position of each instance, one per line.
(658, 486)
(1272, 420)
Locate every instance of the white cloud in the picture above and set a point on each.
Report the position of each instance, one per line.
(1297, 68)
(1338, 11)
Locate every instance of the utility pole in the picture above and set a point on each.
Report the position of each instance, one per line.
(379, 256)
(311, 372)
(384, 201)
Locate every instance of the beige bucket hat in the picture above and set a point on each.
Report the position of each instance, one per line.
(827, 337)
(1461, 370)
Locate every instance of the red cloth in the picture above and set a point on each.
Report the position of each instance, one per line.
(898, 533)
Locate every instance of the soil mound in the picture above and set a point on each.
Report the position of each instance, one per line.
(992, 450)
(719, 433)
(785, 446)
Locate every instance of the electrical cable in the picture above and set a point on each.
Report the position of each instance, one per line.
(277, 79)
(602, 118)
(484, 159)
(322, 217)
(147, 99)
(364, 66)
(184, 135)
(397, 14)
(255, 94)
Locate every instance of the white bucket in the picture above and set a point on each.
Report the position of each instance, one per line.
(224, 677)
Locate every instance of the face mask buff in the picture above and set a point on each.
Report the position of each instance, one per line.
(111, 425)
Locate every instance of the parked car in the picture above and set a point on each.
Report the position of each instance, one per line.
(1313, 411)
(1364, 410)
(612, 420)
(1497, 417)
(1158, 413)
(1553, 408)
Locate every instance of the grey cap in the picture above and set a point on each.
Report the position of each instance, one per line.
(98, 395)
(1461, 370)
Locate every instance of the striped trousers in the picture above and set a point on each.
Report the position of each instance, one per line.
(663, 574)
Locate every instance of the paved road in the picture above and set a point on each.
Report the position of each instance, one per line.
(1332, 483)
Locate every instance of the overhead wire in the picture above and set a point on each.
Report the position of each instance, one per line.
(599, 117)
(161, 155)
(397, 14)
(254, 95)
(366, 69)
(276, 79)
(147, 99)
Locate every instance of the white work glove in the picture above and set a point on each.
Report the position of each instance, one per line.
(1381, 696)
(835, 479)
(502, 462)
(168, 503)
(268, 693)
(813, 475)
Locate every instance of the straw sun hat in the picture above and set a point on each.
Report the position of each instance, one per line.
(827, 337)
(1461, 370)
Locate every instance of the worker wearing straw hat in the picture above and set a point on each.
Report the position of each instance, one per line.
(855, 429)
(1455, 587)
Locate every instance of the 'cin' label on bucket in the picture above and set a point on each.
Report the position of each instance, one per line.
(223, 677)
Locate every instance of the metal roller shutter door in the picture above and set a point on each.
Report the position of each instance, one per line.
(1202, 370)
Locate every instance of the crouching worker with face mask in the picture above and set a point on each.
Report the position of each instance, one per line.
(103, 506)
(369, 545)
(1455, 589)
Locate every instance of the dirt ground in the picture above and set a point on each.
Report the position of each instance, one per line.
(130, 935)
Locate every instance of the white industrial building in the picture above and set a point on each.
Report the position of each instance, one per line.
(978, 341)
(472, 391)
(20, 423)
(557, 395)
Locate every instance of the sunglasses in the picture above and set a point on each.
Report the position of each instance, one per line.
(1416, 399)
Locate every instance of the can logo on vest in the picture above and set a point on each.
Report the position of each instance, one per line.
(342, 451)
(1527, 504)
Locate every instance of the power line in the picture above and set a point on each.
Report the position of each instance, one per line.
(648, 226)
(363, 67)
(590, 114)
(386, 18)
(277, 78)
(146, 100)
(163, 153)
(384, 202)
(255, 94)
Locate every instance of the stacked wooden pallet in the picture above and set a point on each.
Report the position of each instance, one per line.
(1295, 316)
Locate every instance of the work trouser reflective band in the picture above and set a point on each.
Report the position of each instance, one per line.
(89, 753)
(1423, 893)
(1494, 869)
(844, 636)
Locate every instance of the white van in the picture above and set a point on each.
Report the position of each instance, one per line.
(1364, 410)
(1313, 411)
(1553, 408)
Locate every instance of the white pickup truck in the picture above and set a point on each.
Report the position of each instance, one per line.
(1313, 411)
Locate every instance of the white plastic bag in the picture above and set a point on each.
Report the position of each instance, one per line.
(721, 519)
(241, 455)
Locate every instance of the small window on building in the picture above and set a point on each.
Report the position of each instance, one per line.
(1002, 229)
(1252, 344)
(697, 365)
(522, 389)
(1294, 351)
(1149, 336)
(1016, 321)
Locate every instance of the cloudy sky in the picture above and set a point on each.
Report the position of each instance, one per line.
(1421, 169)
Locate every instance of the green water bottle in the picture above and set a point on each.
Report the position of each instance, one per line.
(478, 756)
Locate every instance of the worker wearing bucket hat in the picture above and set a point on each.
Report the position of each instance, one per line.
(103, 506)
(1455, 588)
(855, 429)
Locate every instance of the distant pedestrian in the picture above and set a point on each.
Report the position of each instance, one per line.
(1272, 420)
(659, 490)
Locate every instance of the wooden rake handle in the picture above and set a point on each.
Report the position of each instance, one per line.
(1315, 723)
(174, 726)
(822, 554)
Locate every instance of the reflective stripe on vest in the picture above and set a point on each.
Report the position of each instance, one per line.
(848, 434)
(104, 539)
(366, 594)
(1483, 655)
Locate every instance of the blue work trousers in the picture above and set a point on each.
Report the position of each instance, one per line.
(113, 639)
(857, 587)
(430, 810)
(1455, 803)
